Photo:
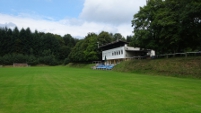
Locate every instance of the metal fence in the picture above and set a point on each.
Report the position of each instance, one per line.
(186, 54)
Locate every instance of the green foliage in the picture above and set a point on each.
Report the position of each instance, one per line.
(1, 60)
(7, 59)
(40, 47)
(32, 60)
(85, 50)
(76, 55)
(48, 60)
(129, 39)
(118, 36)
(64, 51)
(66, 61)
(104, 38)
(19, 58)
(69, 40)
(168, 26)
(23, 45)
(91, 51)
(51, 43)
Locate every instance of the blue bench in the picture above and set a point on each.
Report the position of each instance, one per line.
(104, 67)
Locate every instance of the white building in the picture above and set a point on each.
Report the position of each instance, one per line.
(118, 51)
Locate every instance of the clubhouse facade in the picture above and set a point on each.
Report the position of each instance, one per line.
(119, 50)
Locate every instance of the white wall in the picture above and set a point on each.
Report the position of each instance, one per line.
(115, 53)
(151, 53)
(121, 53)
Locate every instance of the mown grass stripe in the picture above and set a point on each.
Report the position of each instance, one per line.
(63, 89)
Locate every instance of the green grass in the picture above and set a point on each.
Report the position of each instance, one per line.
(189, 67)
(76, 90)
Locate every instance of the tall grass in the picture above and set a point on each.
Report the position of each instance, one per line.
(75, 90)
(182, 67)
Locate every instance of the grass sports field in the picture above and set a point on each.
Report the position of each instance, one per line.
(76, 90)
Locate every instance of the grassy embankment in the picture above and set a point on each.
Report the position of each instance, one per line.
(181, 67)
(80, 90)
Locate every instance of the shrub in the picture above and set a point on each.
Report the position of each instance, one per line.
(1, 60)
(32, 60)
(7, 59)
(66, 61)
(48, 60)
(19, 58)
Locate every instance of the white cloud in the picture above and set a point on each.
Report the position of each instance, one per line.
(111, 11)
(62, 27)
(97, 15)
(9, 25)
(75, 27)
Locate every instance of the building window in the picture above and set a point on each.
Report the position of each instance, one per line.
(121, 51)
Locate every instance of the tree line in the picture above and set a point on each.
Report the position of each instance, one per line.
(168, 26)
(20, 46)
(33, 47)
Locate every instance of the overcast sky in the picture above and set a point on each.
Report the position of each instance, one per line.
(75, 17)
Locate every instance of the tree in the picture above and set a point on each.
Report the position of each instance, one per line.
(29, 41)
(129, 39)
(69, 40)
(51, 43)
(16, 48)
(5, 41)
(77, 55)
(64, 51)
(38, 47)
(24, 41)
(118, 36)
(146, 31)
(104, 38)
(190, 15)
(167, 26)
(91, 51)
(85, 50)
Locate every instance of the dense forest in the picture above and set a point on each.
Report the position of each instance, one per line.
(168, 26)
(24, 46)
(33, 47)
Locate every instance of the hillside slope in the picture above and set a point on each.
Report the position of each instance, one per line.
(181, 67)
